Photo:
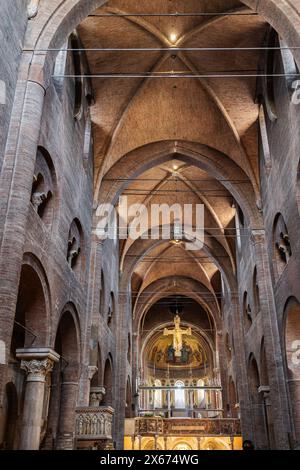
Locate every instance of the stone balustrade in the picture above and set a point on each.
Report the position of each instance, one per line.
(196, 427)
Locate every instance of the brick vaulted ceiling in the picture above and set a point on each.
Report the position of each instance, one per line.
(220, 113)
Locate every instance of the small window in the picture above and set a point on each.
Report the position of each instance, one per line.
(74, 252)
(43, 186)
(281, 245)
(179, 395)
(247, 314)
(157, 395)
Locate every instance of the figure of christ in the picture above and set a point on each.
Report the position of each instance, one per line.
(177, 334)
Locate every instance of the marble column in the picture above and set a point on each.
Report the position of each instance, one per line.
(37, 362)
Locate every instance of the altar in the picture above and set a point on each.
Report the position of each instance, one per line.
(182, 434)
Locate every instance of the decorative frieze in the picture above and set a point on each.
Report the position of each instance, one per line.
(94, 423)
(195, 427)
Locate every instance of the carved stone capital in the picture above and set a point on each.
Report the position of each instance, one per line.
(37, 369)
(33, 8)
(37, 362)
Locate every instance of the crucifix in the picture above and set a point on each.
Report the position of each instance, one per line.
(177, 334)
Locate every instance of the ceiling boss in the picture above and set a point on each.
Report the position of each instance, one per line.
(177, 334)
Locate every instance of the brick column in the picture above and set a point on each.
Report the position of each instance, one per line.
(274, 356)
(15, 191)
(37, 362)
(121, 377)
(241, 370)
(66, 426)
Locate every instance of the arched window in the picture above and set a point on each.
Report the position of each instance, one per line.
(157, 395)
(256, 398)
(247, 312)
(282, 250)
(201, 394)
(108, 383)
(63, 401)
(232, 398)
(43, 186)
(75, 241)
(228, 347)
(179, 395)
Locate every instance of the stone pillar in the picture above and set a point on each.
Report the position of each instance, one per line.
(15, 191)
(37, 362)
(166, 443)
(276, 377)
(241, 370)
(121, 367)
(222, 371)
(68, 399)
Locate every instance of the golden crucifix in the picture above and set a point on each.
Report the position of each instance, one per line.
(177, 334)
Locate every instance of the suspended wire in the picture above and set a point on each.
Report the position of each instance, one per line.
(154, 190)
(180, 74)
(171, 295)
(172, 49)
(174, 14)
(172, 180)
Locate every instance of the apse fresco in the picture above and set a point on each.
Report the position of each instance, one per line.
(163, 357)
